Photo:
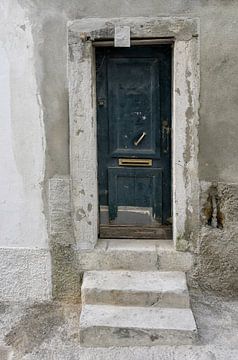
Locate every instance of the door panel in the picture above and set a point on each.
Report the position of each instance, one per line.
(133, 90)
(134, 120)
(135, 187)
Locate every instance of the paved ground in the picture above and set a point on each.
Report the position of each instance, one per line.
(50, 332)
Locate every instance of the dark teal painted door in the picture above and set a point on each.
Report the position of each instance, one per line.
(134, 120)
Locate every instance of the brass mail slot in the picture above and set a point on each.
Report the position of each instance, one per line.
(135, 162)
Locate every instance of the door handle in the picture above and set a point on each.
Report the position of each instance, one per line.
(165, 136)
(136, 143)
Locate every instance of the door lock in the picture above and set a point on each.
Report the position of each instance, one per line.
(101, 102)
(165, 136)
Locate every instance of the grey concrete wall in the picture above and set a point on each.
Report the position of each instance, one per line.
(24, 256)
(34, 113)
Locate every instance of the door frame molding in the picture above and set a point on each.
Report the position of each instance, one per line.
(83, 35)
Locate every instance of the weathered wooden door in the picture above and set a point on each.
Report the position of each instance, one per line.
(134, 140)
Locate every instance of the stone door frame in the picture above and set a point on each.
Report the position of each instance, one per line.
(82, 36)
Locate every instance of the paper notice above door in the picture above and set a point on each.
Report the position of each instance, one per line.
(122, 36)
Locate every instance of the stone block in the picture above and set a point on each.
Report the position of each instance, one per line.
(135, 288)
(107, 325)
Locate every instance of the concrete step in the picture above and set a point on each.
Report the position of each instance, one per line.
(108, 325)
(136, 288)
(131, 254)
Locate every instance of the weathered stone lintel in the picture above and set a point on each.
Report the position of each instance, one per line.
(141, 27)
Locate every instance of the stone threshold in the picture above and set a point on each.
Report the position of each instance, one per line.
(132, 254)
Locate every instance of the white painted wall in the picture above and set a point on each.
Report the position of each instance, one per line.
(22, 138)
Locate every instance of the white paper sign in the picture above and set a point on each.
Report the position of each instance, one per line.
(122, 36)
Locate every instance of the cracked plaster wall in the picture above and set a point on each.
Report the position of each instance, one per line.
(34, 115)
(216, 259)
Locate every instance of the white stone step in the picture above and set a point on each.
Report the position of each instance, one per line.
(108, 325)
(139, 255)
(135, 288)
